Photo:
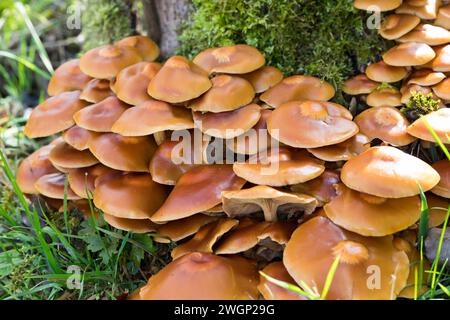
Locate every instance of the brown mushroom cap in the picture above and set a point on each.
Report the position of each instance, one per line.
(279, 167)
(442, 90)
(427, 11)
(438, 120)
(389, 173)
(145, 46)
(321, 188)
(381, 72)
(428, 34)
(359, 84)
(409, 54)
(106, 61)
(64, 155)
(372, 216)
(228, 124)
(226, 94)
(198, 190)
(235, 59)
(443, 17)
(385, 123)
(212, 277)
(271, 291)
(426, 77)
(53, 186)
(407, 91)
(298, 88)
(152, 116)
(443, 187)
(133, 225)
(132, 82)
(264, 78)
(385, 97)
(396, 25)
(269, 200)
(322, 123)
(96, 90)
(437, 210)
(77, 137)
(123, 153)
(442, 60)
(308, 261)
(67, 77)
(179, 80)
(205, 237)
(381, 5)
(54, 115)
(82, 180)
(32, 168)
(130, 195)
(344, 150)
(101, 116)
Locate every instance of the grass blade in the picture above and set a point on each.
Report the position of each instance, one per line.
(330, 277)
(291, 287)
(30, 65)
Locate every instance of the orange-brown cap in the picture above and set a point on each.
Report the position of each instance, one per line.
(64, 155)
(123, 153)
(442, 89)
(396, 25)
(359, 84)
(235, 59)
(308, 260)
(388, 172)
(443, 17)
(132, 82)
(106, 61)
(82, 180)
(133, 225)
(407, 91)
(272, 291)
(381, 72)
(426, 10)
(77, 137)
(443, 187)
(344, 150)
(101, 116)
(380, 5)
(180, 229)
(226, 94)
(268, 200)
(438, 120)
(385, 123)
(385, 97)
(179, 80)
(152, 116)
(145, 46)
(322, 123)
(427, 33)
(437, 210)
(409, 54)
(426, 77)
(129, 195)
(298, 88)
(321, 188)
(228, 124)
(204, 276)
(96, 90)
(279, 167)
(198, 190)
(53, 185)
(442, 61)
(264, 78)
(54, 115)
(67, 77)
(372, 216)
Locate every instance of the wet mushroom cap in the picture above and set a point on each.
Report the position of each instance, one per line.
(438, 120)
(322, 123)
(77, 137)
(264, 78)
(308, 261)
(437, 210)
(179, 80)
(133, 225)
(388, 172)
(442, 90)
(106, 61)
(428, 34)
(145, 46)
(322, 188)
(67, 77)
(64, 155)
(381, 72)
(427, 10)
(82, 180)
(237, 59)
(298, 88)
(96, 90)
(53, 186)
(343, 150)
(443, 187)
(384, 97)
(54, 115)
(443, 17)
(382, 5)
(409, 54)
(426, 77)
(213, 277)
(441, 62)
(359, 84)
(272, 291)
(396, 25)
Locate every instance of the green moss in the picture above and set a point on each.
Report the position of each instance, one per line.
(420, 104)
(105, 21)
(326, 38)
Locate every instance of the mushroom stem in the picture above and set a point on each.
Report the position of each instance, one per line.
(270, 210)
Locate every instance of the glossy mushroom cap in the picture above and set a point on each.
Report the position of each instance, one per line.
(372, 216)
(382, 5)
(54, 115)
(385, 123)
(106, 61)
(322, 123)
(123, 153)
(388, 172)
(443, 17)
(145, 46)
(77, 137)
(264, 78)
(428, 34)
(359, 84)
(385, 97)
(298, 88)
(82, 181)
(268, 200)
(409, 54)
(442, 61)
(438, 120)
(235, 59)
(203, 276)
(53, 186)
(96, 90)
(129, 195)
(132, 82)
(442, 90)
(279, 167)
(272, 291)
(133, 225)
(198, 190)
(426, 10)
(343, 151)
(179, 80)
(396, 25)
(180, 229)
(426, 77)
(381, 72)
(65, 156)
(322, 188)
(67, 77)
(443, 187)
(308, 261)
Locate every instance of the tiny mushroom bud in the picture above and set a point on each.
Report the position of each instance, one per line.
(96, 90)
(67, 77)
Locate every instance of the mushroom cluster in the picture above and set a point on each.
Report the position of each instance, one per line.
(243, 168)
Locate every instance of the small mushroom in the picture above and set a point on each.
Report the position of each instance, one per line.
(145, 46)
(441, 62)
(263, 78)
(96, 90)
(442, 89)
(396, 25)
(443, 187)
(65, 156)
(385, 97)
(428, 34)
(271, 291)
(409, 54)
(426, 11)
(82, 180)
(343, 151)
(437, 210)
(407, 91)
(381, 5)
(359, 84)
(443, 17)
(438, 120)
(53, 186)
(77, 137)
(133, 225)
(381, 72)
(67, 77)
(426, 77)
